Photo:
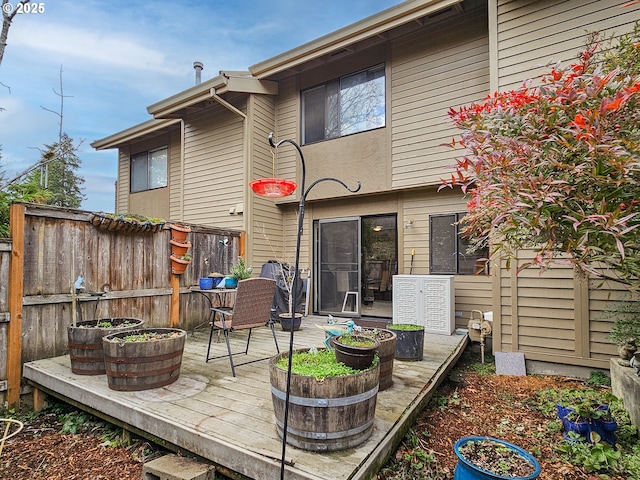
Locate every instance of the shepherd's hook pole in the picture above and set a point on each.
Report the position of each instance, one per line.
(294, 285)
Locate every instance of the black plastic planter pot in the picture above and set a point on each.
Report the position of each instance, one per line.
(409, 343)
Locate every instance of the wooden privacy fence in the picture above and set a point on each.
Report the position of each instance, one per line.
(124, 273)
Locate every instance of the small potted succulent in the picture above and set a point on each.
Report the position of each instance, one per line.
(239, 271)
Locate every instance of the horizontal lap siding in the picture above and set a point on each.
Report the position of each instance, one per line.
(532, 33)
(175, 174)
(472, 292)
(265, 227)
(556, 321)
(214, 166)
(553, 316)
(124, 176)
(443, 66)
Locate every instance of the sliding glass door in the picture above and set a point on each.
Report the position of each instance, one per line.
(338, 266)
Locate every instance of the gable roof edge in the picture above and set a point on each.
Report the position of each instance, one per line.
(135, 132)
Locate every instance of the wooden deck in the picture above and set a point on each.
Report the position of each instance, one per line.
(229, 421)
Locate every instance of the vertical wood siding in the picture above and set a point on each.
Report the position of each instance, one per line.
(442, 66)
(132, 269)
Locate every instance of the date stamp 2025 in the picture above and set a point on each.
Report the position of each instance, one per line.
(23, 8)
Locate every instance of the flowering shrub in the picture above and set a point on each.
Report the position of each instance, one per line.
(556, 167)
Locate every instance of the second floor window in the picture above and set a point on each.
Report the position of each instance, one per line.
(350, 104)
(149, 170)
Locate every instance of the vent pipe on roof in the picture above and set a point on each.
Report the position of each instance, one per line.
(198, 66)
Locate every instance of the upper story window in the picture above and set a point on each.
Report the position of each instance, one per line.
(448, 250)
(350, 104)
(149, 170)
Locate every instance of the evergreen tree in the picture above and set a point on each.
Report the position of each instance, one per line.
(57, 174)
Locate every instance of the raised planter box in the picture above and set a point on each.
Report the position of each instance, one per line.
(625, 384)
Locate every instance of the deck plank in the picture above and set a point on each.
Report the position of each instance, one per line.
(230, 421)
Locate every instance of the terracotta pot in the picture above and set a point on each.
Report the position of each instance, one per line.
(179, 232)
(179, 249)
(178, 265)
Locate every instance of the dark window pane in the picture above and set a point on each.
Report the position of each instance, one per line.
(313, 104)
(139, 170)
(442, 241)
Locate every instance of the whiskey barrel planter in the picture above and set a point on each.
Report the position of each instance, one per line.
(142, 365)
(85, 342)
(331, 414)
(386, 353)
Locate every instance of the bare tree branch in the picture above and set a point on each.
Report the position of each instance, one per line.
(7, 17)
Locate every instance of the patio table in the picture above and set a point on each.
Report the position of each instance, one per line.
(216, 297)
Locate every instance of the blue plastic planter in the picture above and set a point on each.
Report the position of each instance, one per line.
(230, 282)
(206, 283)
(606, 429)
(466, 470)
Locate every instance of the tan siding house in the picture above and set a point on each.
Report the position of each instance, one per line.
(416, 60)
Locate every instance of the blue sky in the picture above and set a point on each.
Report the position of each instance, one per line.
(117, 57)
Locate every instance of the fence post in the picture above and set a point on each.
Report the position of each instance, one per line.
(174, 310)
(14, 329)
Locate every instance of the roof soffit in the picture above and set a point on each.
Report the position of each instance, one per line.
(137, 132)
(177, 106)
(362, 34)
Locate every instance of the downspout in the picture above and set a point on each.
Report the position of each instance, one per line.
(245, 157)
(182, 155)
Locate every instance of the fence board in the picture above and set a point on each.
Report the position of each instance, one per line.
(131, 270)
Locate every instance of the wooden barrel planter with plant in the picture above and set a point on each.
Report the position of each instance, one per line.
(143, 359)
(331, 407)
(409, 341)
(386, 353)
(85, 342)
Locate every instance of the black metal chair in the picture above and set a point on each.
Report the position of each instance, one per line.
(251, 309)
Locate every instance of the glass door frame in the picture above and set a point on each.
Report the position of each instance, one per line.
(352, 286)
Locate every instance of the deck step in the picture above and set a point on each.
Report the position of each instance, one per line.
(175, 467)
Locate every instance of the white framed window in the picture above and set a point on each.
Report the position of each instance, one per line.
(350, 104)
(149, 170)
(449, 251)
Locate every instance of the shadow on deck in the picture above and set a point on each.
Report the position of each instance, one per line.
(230, 422)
